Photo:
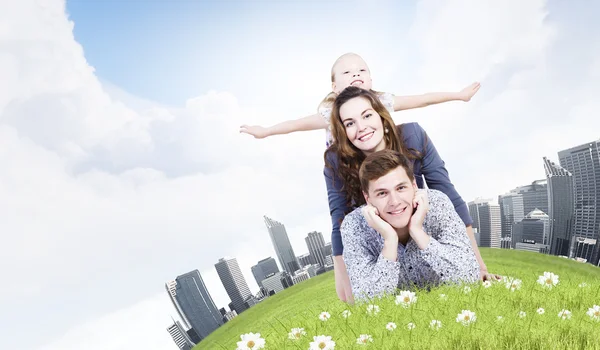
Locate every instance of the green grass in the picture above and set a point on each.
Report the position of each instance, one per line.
(300, 306)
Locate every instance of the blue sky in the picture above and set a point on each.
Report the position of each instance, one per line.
(168, 51)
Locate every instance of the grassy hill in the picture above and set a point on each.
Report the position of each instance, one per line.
(299, 306)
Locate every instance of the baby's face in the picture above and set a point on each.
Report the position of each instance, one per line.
(351, 70)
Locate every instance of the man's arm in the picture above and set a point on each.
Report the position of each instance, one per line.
(370, 275)
(449, 253)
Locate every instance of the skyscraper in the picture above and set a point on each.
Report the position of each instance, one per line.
(234, 282)
(511, 212)
(171, 288)
(560, 203)
(180, 336)
(194, 303)
(583, 162)
(264, 268)
(486, 219)
(315, 244)
(535, 196)
(282, 245)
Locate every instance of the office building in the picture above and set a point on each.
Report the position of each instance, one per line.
(304, 260)
(486, 219)
(534, 195)
(534, 228)
(583, 162)
(316, 244)
(560, 206)
(180, 336)
(190, 296)
(273, 283)
(511, 212)
(300, 276)
(282, 245)
(234, 283)
(264, 268)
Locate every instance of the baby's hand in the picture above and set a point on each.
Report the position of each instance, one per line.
(469, 91)
(257, 131)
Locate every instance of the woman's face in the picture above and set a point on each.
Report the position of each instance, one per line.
(364, 127)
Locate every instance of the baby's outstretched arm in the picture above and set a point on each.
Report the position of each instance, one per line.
(418, 101)
(311, 122)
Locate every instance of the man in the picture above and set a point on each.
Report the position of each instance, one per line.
(403, 236)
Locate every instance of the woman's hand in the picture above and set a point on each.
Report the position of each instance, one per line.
(342, 280)
(378, 224)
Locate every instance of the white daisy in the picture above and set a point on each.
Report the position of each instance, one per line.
(467, 290)
(346, 313)
(541, 311)
(466, 317)
(390, 326)
(406, 298)
(364, 339)
(322, 342)
(583, 285)
(487, 284)
(372, 309)
(410, 326)
(564, 314)
(296, 333)
(324, 316)
(594, 313)
(250, 341)
(435, 324)
(522, 314)
(548, 280)
(443, 297)
(513, 284)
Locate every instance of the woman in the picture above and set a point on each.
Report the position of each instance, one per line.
(361, 125)
(403, 237)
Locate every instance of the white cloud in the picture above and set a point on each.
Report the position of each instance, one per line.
(148, 318)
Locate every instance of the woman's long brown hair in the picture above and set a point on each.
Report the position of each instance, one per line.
(348, 156)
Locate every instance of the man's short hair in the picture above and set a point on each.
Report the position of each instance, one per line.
(379, 164)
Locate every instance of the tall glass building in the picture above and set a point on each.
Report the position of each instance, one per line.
(583, 162)
(264, 268)
(194, 304)
(560, 203)
(315, 244)
(234, 283)
(282, 245)
(486, 219)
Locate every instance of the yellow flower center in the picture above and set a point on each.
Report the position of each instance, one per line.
(250, 344)
(406, 299)
(322, 345)
(549, 281)
(364, 340)
(467, 317)
(597, 313)
(297, 334)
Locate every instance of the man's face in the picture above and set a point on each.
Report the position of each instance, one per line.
(392, 195)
